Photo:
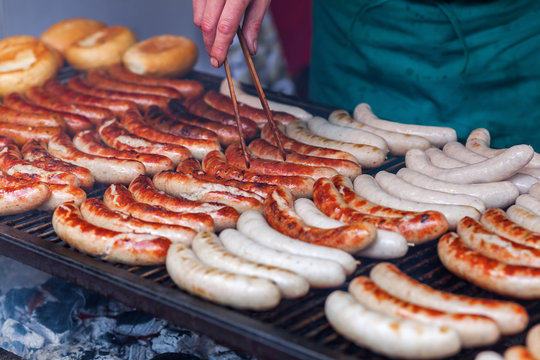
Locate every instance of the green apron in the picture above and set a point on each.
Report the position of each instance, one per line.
(463, 64)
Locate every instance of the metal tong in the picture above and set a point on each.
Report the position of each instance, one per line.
(260, 93)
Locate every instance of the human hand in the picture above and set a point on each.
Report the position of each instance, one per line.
(219, 21)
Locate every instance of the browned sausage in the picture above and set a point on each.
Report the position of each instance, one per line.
(134, 123)
(235, 157)
(224, 103)
(12, 163)
(95, 114)
(95, 212)
(280, 214)
(17, 195)
(116, 136)
(216, 164)
(304, 149)
(163, 121)
(127, 248)
(20, 134)
(497, 221)
(12, 116)
(187, 185)
(198, 107)
(144, 191)
(39, 156)
(265, 150)
(101, 79)
(142, 100)
(88, 141)
(194, 168)
(477, 237)
(187, 88)
(118, 197)
(510, 280)
(74, 123)
(65, 94)
(105, 170)
(418, 228)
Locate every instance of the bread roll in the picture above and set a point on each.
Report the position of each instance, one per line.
(64, 33)
(24, 62)
(101, 48)
(163, 55)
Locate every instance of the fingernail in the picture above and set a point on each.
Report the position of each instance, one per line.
(214, 62)
(254, 46)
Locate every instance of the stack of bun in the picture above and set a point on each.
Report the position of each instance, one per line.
(85, 44)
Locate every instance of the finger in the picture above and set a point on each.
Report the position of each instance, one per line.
(198, 10)
(211, 14)
(252, 23)
(227, 26)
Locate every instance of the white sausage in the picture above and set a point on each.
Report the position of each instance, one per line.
(488, 355)
(496, 194)
(524, 217)
(253, 224)
(398, 143)
(529, 202)
(398, 187)
(510, 317)
(367, 187)
(479, 141)
(535, 190)
(318, 272)
(240, 291)
(460, 153)
(437, 135)
(387, 244)
(312, 216)
(210, 251)
(393, 337)
(319, 126)
(366, 155)
(497, 168)
(447, 158)
(255, 102)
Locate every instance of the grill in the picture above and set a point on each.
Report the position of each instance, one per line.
(296, 329)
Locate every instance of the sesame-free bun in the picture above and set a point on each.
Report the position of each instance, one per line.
(163, 55)
(24, 62)
(102, 48)
(64, 33)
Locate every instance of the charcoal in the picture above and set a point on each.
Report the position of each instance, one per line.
(16, 302)
(18, 332)
(59, 316)
(172, 340)
(138, 324)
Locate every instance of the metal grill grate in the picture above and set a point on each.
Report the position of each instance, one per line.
(296, 329)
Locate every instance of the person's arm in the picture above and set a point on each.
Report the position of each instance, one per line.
(219, 21)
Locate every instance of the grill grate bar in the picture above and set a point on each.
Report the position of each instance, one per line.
(48, 233)
(152, 272)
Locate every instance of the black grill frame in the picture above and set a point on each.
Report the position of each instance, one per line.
(296, 329)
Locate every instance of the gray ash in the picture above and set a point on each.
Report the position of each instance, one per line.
(60, 320)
